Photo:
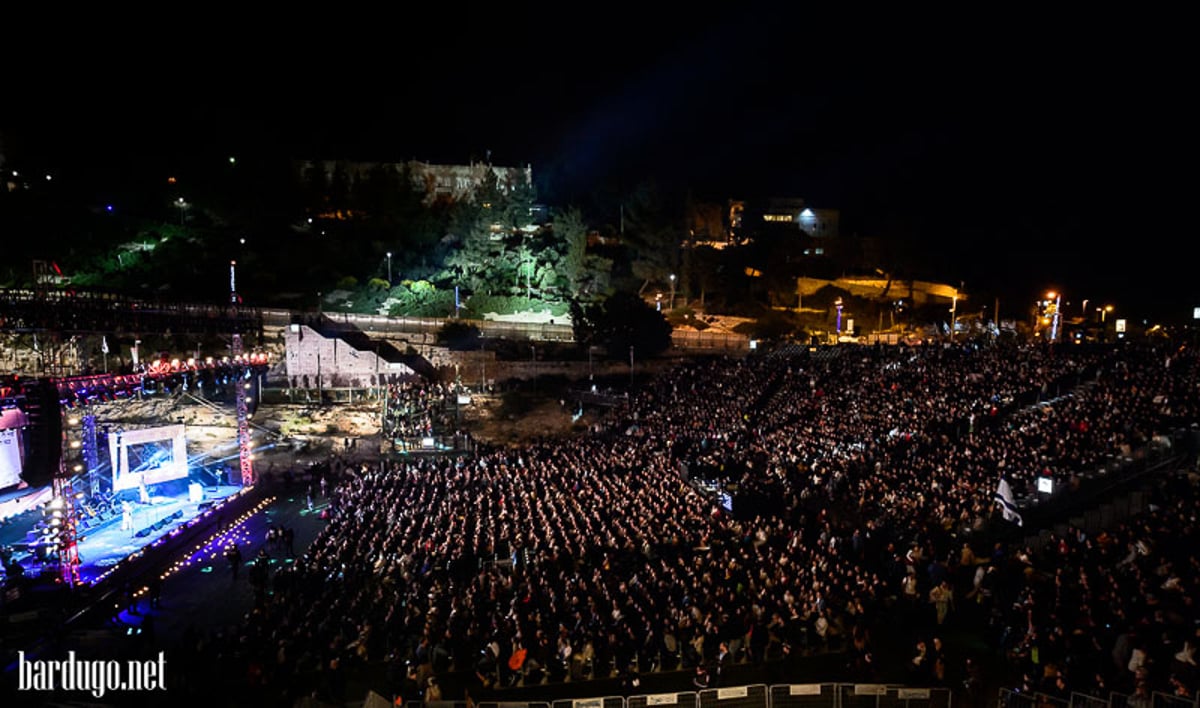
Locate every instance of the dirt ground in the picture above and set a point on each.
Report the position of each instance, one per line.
(517, 417)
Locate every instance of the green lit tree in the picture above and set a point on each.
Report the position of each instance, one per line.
(570, 235)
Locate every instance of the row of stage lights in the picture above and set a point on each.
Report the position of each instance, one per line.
(57, 531)
(218, 541)
(106, 388)
(175, 366)
(140, 552)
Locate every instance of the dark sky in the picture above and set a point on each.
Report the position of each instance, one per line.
(1019, 151)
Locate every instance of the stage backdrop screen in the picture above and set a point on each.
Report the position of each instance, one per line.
(11, 454)
(147, 456)
(10, 458)
(150, 455)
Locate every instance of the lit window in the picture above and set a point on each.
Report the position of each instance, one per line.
(820, 251)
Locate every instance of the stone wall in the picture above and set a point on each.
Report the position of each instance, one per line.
(313, 358)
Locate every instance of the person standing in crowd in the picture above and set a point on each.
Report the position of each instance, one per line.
(155, 585)
(233, 555)
(941, 596)
(720, 664)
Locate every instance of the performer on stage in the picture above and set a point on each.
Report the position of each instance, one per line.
(143, 493)
(126, 516)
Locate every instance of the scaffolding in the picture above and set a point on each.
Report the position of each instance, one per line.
(62, 507)
(243, 369)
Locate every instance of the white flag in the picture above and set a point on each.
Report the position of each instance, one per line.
(104, 344)
(1008, 507)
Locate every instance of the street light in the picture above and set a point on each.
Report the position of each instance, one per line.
(1057, 299)
(181, 204)
(953, 315)
(1103, 311)
(389, 255)
(672, 291)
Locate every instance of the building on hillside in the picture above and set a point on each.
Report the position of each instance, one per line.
(817, 229)
(449, 182)
(916, 292)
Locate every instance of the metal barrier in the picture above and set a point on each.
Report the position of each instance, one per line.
(1015, 699)
(680, 699)
(606, 702)
(861, 695)
(429, 444)
(753, 696)
(814, 695)
(1167, 700)
(687, 339)
(1045, 700)
(903, 697)
(514, 704)
(879, 695)
(804, 695)
(1083, 700)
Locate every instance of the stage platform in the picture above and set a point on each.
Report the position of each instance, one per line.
(103, 546)
(15, 502)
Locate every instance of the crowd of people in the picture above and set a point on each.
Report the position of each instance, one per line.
(865, 493)
(1109, 611)
(417, 408)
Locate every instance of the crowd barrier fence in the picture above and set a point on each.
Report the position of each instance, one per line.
(816, 695)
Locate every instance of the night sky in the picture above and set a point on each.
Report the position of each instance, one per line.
(1016, 154)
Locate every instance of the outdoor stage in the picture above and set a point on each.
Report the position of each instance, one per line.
(104, 545)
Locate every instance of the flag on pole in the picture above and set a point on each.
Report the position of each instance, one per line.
(104, 344)
(1008, 507)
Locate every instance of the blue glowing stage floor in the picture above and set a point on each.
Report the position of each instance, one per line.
(103, 547)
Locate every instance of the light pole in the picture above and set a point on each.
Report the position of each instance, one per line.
(1057, 298)
(389, 255)
(1103, 312)
(181, 204)
(953, 315)
(672, 291)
